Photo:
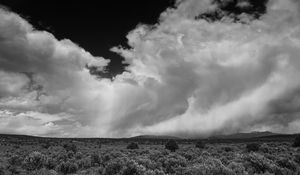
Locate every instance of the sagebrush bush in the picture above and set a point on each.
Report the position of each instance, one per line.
(257, 163)
(62, 156)
(265, 148)
(227, 148)
(297, 158)
(2, 170)
(34, 161)
(172, 145)
(46, 145)
(200, 144)
(95, 159)
(132, 145)
(84, 163)
(287, 163)
(70, 147)
(209, 166)
(277, 158)
(78, 155)
(252, 147)
(43, 171)
(172, 162)
(14, 169)
(133, 168)
(115, 166)
(50, 163)
(237, 168)
(15, 160)
(67, 167)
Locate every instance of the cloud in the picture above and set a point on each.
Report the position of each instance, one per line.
(186, 76)
(42, 77)
(214, 77)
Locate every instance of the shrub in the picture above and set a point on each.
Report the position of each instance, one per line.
(70, 147)
(256, 163)
(67, 167)
(46, 145)
(115, 166)
(297, 141)
(286, 163)
(297, 158)
(2, 170)
(50, 163)
(237, 168)
(14, 160)
(133, 145)
(14, 169)
(34, 161)
(84, 163)
(210, 166)
(172, 163)
(70, 154)
(228, 149)
(265, 148)
(62, 156)
(252, 147)
(78, 155)
(95, 159)
(43, 171)
(172, 145)
(132, 168)
(200, 144)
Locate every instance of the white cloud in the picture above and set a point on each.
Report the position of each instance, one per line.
(185, 77)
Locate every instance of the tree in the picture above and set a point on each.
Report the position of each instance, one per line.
(133, 145)
(252, 147)
(200, 144)
(297, 141)
(70, 147)
(172, 145)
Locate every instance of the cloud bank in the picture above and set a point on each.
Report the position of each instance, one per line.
(186, 76)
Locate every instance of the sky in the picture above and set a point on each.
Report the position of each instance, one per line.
(189, 68)
(94, 26)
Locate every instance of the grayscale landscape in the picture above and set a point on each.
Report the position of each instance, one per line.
(166, 87)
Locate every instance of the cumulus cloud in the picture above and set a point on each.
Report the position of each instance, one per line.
(42, 79)
(186, 76)
(223, 76)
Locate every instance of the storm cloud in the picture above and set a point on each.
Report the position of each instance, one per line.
(188, 75)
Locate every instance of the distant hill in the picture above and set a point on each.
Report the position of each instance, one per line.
(246, 135)
(154, 137)
(18, 136)
(239, 137)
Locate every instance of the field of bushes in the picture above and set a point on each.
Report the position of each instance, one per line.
(51, 157)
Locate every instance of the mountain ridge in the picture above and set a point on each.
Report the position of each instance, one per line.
(250, 135)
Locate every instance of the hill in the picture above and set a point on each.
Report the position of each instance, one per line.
(155, 137)
(246, 135)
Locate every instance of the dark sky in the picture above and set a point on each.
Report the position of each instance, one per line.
(94, 25)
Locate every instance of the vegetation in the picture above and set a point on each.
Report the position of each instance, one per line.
(150, 157)
(70, 147)
(133, 145)
(200, 144)
(252, 147)
(172, 145)
(297, 141)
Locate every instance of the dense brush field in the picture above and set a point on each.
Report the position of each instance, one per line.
(50, 157)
